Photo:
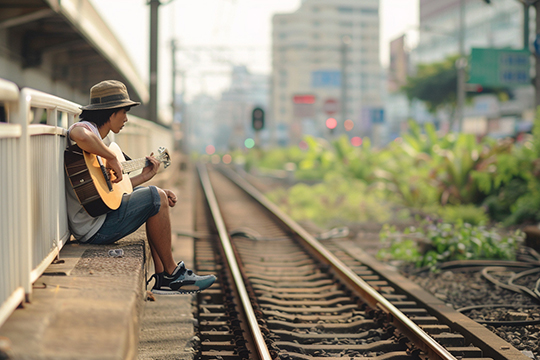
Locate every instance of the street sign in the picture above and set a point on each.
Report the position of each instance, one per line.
(304, 99)
(326, 79)
(500, 67)
(377, 116)
(331, 106)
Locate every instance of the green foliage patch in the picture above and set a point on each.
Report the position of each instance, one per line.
(436, 242)
(335, 199)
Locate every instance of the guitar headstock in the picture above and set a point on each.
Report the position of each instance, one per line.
(164, 157)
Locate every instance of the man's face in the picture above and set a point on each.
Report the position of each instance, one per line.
(117, 120)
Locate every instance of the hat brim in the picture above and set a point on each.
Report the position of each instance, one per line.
(111, 105)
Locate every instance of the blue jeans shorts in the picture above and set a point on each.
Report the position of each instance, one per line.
(135, 209)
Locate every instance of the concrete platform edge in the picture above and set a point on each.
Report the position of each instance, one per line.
(88, 310)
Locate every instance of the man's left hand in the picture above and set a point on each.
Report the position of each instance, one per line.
(171, 197)
(151, 169)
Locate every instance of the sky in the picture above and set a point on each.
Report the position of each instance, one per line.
(242, 25)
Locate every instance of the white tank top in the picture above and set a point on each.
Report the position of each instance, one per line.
(81, 224)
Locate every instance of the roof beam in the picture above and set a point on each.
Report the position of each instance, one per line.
(24, 19)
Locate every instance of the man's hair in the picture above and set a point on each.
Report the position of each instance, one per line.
(100, 117)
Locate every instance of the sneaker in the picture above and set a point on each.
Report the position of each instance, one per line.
(182, 280)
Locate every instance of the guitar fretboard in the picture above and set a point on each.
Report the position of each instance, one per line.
(132, 165)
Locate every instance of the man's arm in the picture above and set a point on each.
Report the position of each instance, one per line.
(91, 143)
(148, 172)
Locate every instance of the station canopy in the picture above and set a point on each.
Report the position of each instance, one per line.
(70, 40)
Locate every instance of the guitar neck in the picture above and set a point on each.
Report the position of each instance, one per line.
(132, 165)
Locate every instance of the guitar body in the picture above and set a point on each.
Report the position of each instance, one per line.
(89, 183)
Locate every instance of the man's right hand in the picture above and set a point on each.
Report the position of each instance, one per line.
(114, 166)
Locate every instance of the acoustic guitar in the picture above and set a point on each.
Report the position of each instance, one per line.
(91, 180)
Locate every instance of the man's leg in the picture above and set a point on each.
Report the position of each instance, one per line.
(158, 231)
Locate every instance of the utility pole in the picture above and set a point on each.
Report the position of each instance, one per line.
(152, 107)
(537, 57)
(185, 117)
(461, 63)
(173, 94)
(345, 41)
(526, 7)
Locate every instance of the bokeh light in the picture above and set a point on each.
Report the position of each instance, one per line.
(348, 124)
(249, 143)
(331, 123)
(356, 141)
(303, 145)
(215, 159)
(210, 149)
(227, 159)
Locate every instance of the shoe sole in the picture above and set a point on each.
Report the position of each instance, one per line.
(190, 286)
(175, 292)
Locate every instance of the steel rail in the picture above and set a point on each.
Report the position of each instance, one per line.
(418, 336)
(258, 339)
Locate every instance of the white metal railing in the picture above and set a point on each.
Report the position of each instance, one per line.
(14, 269)
(141, 137)
(33, 214)
(46, 118)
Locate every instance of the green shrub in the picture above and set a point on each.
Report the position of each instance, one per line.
(334, 200)
(469, 214)
(434, 242)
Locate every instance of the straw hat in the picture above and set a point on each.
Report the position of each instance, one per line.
(109, 94)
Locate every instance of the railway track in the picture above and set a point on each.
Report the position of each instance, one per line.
(281, 294)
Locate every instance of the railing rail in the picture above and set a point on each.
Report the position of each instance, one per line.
(33, 212)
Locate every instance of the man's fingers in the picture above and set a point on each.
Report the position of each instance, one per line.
(117, 177)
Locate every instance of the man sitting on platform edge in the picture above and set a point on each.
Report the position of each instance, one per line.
(109, 104)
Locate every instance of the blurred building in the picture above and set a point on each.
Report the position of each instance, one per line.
(246, 92)
(495, 25)
(200, 123)
(399, 67)
(397, 106)
(314, 49)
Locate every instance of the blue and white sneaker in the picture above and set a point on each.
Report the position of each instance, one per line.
(182, 280)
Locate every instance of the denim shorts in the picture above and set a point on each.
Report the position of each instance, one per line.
(135, 209)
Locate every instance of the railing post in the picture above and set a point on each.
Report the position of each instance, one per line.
(52, 119)
(25, 214)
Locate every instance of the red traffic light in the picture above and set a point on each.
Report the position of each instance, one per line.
(331, 123)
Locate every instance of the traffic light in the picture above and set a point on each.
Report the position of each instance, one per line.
(257, 119)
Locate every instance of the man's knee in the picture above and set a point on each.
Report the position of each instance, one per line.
(163, 198)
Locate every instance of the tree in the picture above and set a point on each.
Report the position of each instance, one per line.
(435, 84)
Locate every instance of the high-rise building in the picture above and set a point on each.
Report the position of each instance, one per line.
(325, 63)
(497, 25)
